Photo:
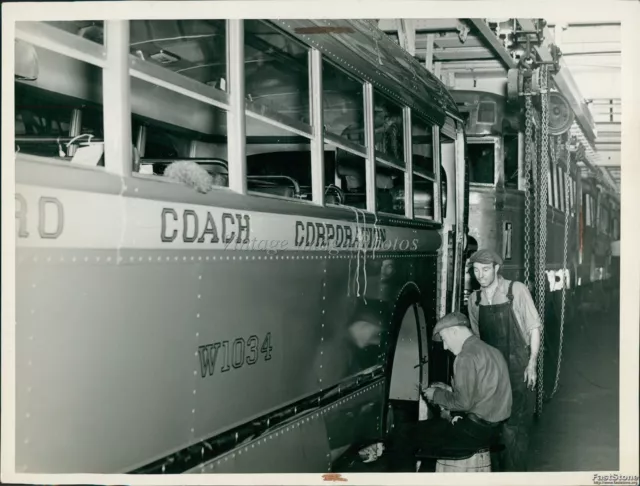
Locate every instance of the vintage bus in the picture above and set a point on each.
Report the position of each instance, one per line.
(497, 211)
(599, 227)
(262, 314)
(495, 149)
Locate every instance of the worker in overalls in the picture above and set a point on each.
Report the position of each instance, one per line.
(503, 315)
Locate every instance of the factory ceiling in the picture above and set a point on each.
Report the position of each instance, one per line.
(478, 53)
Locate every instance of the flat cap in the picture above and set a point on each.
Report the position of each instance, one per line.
(485, 256)
(450, 320)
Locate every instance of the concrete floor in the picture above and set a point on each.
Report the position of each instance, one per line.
(579, 427)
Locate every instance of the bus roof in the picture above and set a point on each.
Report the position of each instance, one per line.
(361, 45)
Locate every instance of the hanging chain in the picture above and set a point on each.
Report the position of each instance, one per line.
(567, 216)
(528, 148)
(535, 196)
(542, 249)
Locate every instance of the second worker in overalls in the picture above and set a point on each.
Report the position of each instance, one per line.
(503, 315)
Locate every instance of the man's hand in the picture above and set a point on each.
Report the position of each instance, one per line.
(530, 375)
(444, 386)
(445, 414)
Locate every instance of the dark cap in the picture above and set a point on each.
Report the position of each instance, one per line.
(486, 257)
(450, 320)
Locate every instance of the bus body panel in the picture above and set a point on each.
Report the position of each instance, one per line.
(210, 336)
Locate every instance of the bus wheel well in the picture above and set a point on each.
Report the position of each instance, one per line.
(407, 362)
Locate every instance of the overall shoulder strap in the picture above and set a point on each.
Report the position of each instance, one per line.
(510, 292)
(478, 297)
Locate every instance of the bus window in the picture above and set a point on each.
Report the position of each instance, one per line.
(283, 167)
(343, 101)
(422, 143)
(568, 176)
(423, 169)
(560, 188)
(174, 127)
(587, 199)
(38, 117)
(192, 48)
(423, 190)
(168, 126)
(511, 161)
(447, 163)
(269, 170)
(552, 188)
(345, 171)
(59, 110)
(481, 163)
(389, 131)
(350, 177)
(276, 71)
(277, 91)
(389, 189)
(158, 147)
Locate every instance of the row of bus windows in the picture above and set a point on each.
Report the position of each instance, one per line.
(482, 170)
(279, 167)
(557, 190)
(169, 126)
(602, 219)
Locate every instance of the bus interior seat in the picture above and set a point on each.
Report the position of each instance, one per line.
(219, 170)
(275, 190)
(332, 199)
(423, 203)
(276, 185)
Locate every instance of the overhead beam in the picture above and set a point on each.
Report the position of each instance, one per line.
(421, 25)
(589, 24)
(491, 65)
(462, 54)
(591, 53)
(428, 60)
(407, 35)
(448, 42)
(564, 82)
(493, 42)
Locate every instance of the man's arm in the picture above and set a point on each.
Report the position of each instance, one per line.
(531, 373)
(461, 398)
(535, 345)
(531, 325)
(525, 308)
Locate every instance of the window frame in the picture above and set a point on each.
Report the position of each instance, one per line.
(495, 140)
(433, 177)
(119, 66)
